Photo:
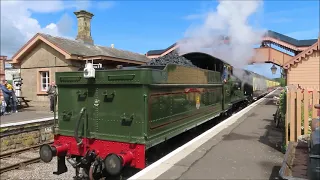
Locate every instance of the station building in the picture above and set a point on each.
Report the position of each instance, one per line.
(43, 55)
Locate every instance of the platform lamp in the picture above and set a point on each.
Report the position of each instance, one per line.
(273, 69)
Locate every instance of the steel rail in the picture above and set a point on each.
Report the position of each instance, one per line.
(19, 165)
(19, 151)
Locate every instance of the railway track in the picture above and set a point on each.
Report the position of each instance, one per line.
(19, 158)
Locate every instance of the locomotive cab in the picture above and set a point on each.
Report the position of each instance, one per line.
(232, 87)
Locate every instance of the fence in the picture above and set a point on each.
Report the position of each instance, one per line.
(299, 112)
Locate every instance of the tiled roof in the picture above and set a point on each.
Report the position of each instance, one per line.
(78, 48)
(298, 58)
(290, 40)
(160, 51)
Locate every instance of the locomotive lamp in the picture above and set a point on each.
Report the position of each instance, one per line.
(89, 71)
(273, 69)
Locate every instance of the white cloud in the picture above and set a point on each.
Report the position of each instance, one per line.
(194, 16)
(18, 25)
(104, 4)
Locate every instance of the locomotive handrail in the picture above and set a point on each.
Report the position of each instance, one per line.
(79, 141)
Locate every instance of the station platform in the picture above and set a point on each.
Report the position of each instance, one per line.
(247, 148)
(24, 116)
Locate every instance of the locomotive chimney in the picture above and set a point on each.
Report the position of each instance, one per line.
(84, 26)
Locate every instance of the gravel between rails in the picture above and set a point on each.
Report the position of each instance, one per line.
(18, 158)
(39, 171)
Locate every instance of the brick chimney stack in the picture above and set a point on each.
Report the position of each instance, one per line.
(84, 26)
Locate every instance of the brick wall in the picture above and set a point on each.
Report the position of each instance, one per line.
(27, 135)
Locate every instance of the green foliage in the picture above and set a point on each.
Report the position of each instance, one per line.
(282, 108)
(284, 148)
(282, 81)
(309, 117)
(283, 104)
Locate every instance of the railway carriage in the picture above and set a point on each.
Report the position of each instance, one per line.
(108, 119)
(255, 85)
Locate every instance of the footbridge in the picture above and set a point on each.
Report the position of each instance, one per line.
(265, 53)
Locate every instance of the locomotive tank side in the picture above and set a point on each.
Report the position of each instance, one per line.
(189, 97)
(111, 120)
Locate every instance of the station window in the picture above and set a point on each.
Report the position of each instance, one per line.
(44, 83)
(43, 80)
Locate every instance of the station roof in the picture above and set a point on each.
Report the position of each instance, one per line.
(269, 33)
(70, 48)
(290, 40)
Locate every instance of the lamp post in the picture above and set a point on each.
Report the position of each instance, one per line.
(273, 69)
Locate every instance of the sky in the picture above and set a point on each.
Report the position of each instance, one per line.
(140, 26)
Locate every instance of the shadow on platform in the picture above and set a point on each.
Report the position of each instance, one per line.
(273, 136)
(270, 102)
(274, 173)
(27, 109)
(236, 136)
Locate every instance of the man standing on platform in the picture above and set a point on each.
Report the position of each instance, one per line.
(52, 93)
(7, 94)
(13, 99)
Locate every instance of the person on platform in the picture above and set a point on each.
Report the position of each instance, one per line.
(13, 101)
(13, 98)
(7, 94)
(52, 93)
(3, 106)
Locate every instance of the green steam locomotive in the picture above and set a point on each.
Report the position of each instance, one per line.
(108, 119)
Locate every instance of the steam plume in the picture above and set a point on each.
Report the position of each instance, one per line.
(230, 20)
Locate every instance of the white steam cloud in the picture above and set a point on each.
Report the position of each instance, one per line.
(229, 20)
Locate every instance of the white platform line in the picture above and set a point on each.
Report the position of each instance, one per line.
(26, 122)
(166, 162)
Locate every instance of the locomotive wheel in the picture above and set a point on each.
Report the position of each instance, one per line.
(95, 171)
